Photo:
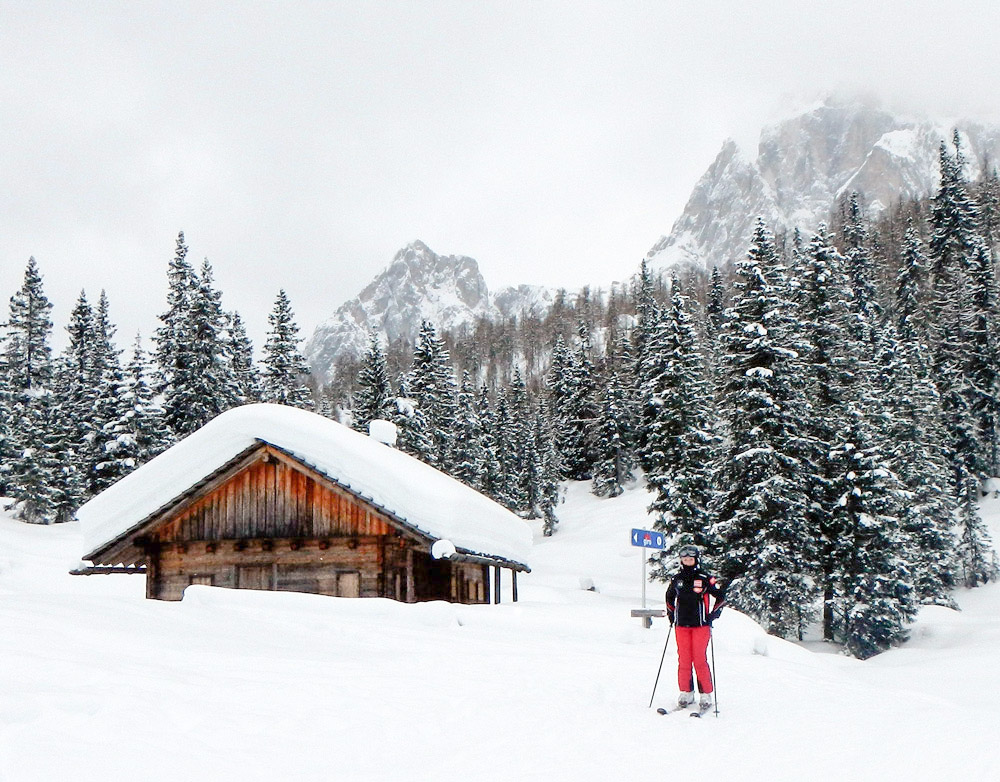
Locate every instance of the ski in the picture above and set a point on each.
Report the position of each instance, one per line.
(671, 711)
(701, 710)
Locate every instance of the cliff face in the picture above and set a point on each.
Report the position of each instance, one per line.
(801, 167)
(418, 285)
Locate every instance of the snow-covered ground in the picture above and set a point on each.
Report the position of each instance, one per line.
(97, 683)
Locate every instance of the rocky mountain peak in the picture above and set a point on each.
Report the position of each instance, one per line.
(802, 165)
(418, 285)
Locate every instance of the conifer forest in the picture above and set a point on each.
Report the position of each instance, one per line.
(821, 419)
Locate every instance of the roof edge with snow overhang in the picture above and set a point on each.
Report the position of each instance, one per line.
(416, 496)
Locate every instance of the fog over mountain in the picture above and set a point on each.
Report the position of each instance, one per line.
(802, 165)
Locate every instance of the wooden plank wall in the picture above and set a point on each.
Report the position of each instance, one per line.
(271, 526)
(272, 500)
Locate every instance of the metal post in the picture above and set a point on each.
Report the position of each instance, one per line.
(658, 670)
(715, 680)
(643, 577)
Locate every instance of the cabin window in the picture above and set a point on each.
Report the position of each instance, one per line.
(202, 578)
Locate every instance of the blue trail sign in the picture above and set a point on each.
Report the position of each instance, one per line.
(648, 539)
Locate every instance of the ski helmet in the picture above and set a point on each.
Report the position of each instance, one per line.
(687, 551)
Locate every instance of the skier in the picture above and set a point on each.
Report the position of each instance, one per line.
(688, 597)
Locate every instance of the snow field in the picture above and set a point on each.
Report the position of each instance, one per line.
(98, 683)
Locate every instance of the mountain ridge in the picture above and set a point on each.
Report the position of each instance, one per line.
(802, 166)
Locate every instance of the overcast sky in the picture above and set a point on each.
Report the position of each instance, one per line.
(301, 144)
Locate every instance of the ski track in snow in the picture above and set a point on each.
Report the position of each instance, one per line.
(98, 683)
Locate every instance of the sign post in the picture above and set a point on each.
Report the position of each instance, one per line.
(645, 539)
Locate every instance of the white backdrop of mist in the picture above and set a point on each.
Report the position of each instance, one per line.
(300, 145)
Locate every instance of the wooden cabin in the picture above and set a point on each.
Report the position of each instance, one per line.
(267, 518)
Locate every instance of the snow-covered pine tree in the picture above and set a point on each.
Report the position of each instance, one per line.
(824, 313)
(875, 599)
(614, 466)
(34, 464)
(469, 456)
(762, 478)
(139, 433)
(547, 486)
(177, 380)
(209, 350)
(859, 265)
(107, 382)
(918, 459)
(285, 368)
(682, 439)
(987, 199)
(506, 484)
(490, 478)
(27, 355)
(983, 361)
(373, 398)
(572, 389)
(432, 384)
(240, 352)
(911, 288)
(954, 244)
(560, 384)
(648, 317)
(77, 388)
(413, 431)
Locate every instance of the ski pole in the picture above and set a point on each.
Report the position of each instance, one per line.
(658, 670)
(715, 679)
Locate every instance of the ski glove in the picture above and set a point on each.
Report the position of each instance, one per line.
(714, 615)
(670, 616)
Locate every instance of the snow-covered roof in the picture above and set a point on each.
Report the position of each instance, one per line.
(426, 499)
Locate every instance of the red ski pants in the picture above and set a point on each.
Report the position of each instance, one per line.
(692, 645)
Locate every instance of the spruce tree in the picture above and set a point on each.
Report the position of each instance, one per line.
(875, 600)
(244, 372)
(432, 385)
(469, 455)
(139, 433)
(919, 460)
(681, 439)
(178, 380)
(615, 463)
(413, 430)
(911, 288)
(27, 355)
(373, 398)
(107, 381)
(546, 488)
(285, 368)
(762, 506)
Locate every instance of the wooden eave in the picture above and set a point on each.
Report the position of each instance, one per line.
(128, 548)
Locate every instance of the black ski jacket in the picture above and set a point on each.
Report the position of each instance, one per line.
(688, 596)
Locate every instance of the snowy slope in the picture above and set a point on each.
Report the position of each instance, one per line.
(98, 683)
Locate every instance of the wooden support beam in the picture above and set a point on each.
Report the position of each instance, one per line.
(410, 584)
(513, 583)
(496, 583)
(105, 570)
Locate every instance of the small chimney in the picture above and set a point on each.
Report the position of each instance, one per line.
(383, 431)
